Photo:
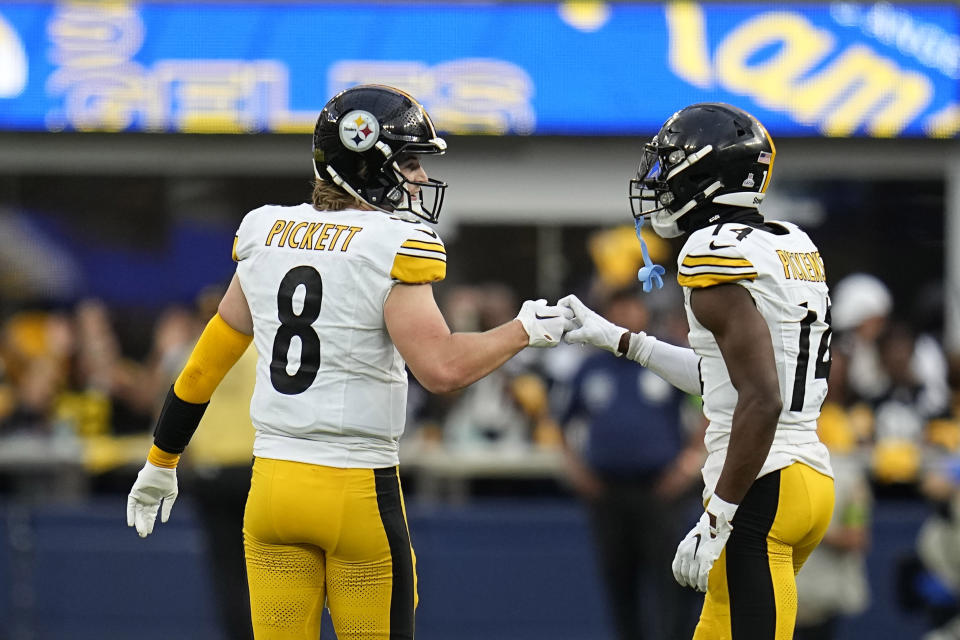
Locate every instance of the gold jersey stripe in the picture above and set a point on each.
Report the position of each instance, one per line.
(709, 279)
(715, 261)
(418, 269)
(426, 246)
(715, 268)
(235, 240)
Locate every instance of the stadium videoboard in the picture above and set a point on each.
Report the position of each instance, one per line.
(570, 68)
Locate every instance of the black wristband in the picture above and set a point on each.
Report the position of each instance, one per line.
(178, 420)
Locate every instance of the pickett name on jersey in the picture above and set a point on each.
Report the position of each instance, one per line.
(311, 235)
(802, 266)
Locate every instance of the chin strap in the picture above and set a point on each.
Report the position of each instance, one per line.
(650, 274)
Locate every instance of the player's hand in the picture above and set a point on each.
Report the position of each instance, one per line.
(544, 324)
(700, 549)
(592, 327)
(155, 486)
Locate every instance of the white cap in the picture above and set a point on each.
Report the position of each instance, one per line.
(859, 297)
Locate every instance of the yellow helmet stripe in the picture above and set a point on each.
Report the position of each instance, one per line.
(773, 156)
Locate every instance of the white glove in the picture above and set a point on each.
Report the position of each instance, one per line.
(593, 328)
(545, 325)
(698, 551)
(154, 485)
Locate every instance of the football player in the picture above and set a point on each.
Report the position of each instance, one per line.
(336, 295)
(757, 304)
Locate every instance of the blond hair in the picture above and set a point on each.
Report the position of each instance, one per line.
(330, 197)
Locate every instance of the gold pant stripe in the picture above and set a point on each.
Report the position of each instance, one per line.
(752, 593)
(314, 534)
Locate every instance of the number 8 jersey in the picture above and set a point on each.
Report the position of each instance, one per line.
(781, 268)
(331, 387)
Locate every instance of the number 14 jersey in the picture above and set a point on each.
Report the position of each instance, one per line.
(781, 268)
(331, 387)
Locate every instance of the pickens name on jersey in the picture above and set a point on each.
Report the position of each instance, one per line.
(802, 266)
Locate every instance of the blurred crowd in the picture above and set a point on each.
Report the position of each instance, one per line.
(63, 369)
(891, 419)
(68, 379)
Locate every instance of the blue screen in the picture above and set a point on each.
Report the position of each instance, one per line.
(577, 68)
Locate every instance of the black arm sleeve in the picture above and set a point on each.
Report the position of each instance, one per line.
(178, 420)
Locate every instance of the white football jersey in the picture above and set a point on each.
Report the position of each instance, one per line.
(331, 387)
(784, 274)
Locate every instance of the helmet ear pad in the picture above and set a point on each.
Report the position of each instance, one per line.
(687, 185)
(355, 169)
(375, 184)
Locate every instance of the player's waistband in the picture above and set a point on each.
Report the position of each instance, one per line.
(329, 450)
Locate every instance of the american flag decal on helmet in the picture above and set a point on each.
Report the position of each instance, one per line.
(764, 157)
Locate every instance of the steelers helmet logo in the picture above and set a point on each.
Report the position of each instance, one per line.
(359, 130)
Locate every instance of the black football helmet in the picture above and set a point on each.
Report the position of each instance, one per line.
(705, 153)
(362, 136)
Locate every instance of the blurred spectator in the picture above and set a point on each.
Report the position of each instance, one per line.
(217, 464)
(899, 418)
(861, 304)
(217, 468)
(105, 388)
(861, 312)
(892, 382)
(137, 389)
(616, 254)
(64, 374)
(8, 400)
(98, 350)
(635, 470)
(37, 347)
(34, 398)
(218, 471)
(930, 580)
(508, 408)
(67, 368)
(833, 582)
